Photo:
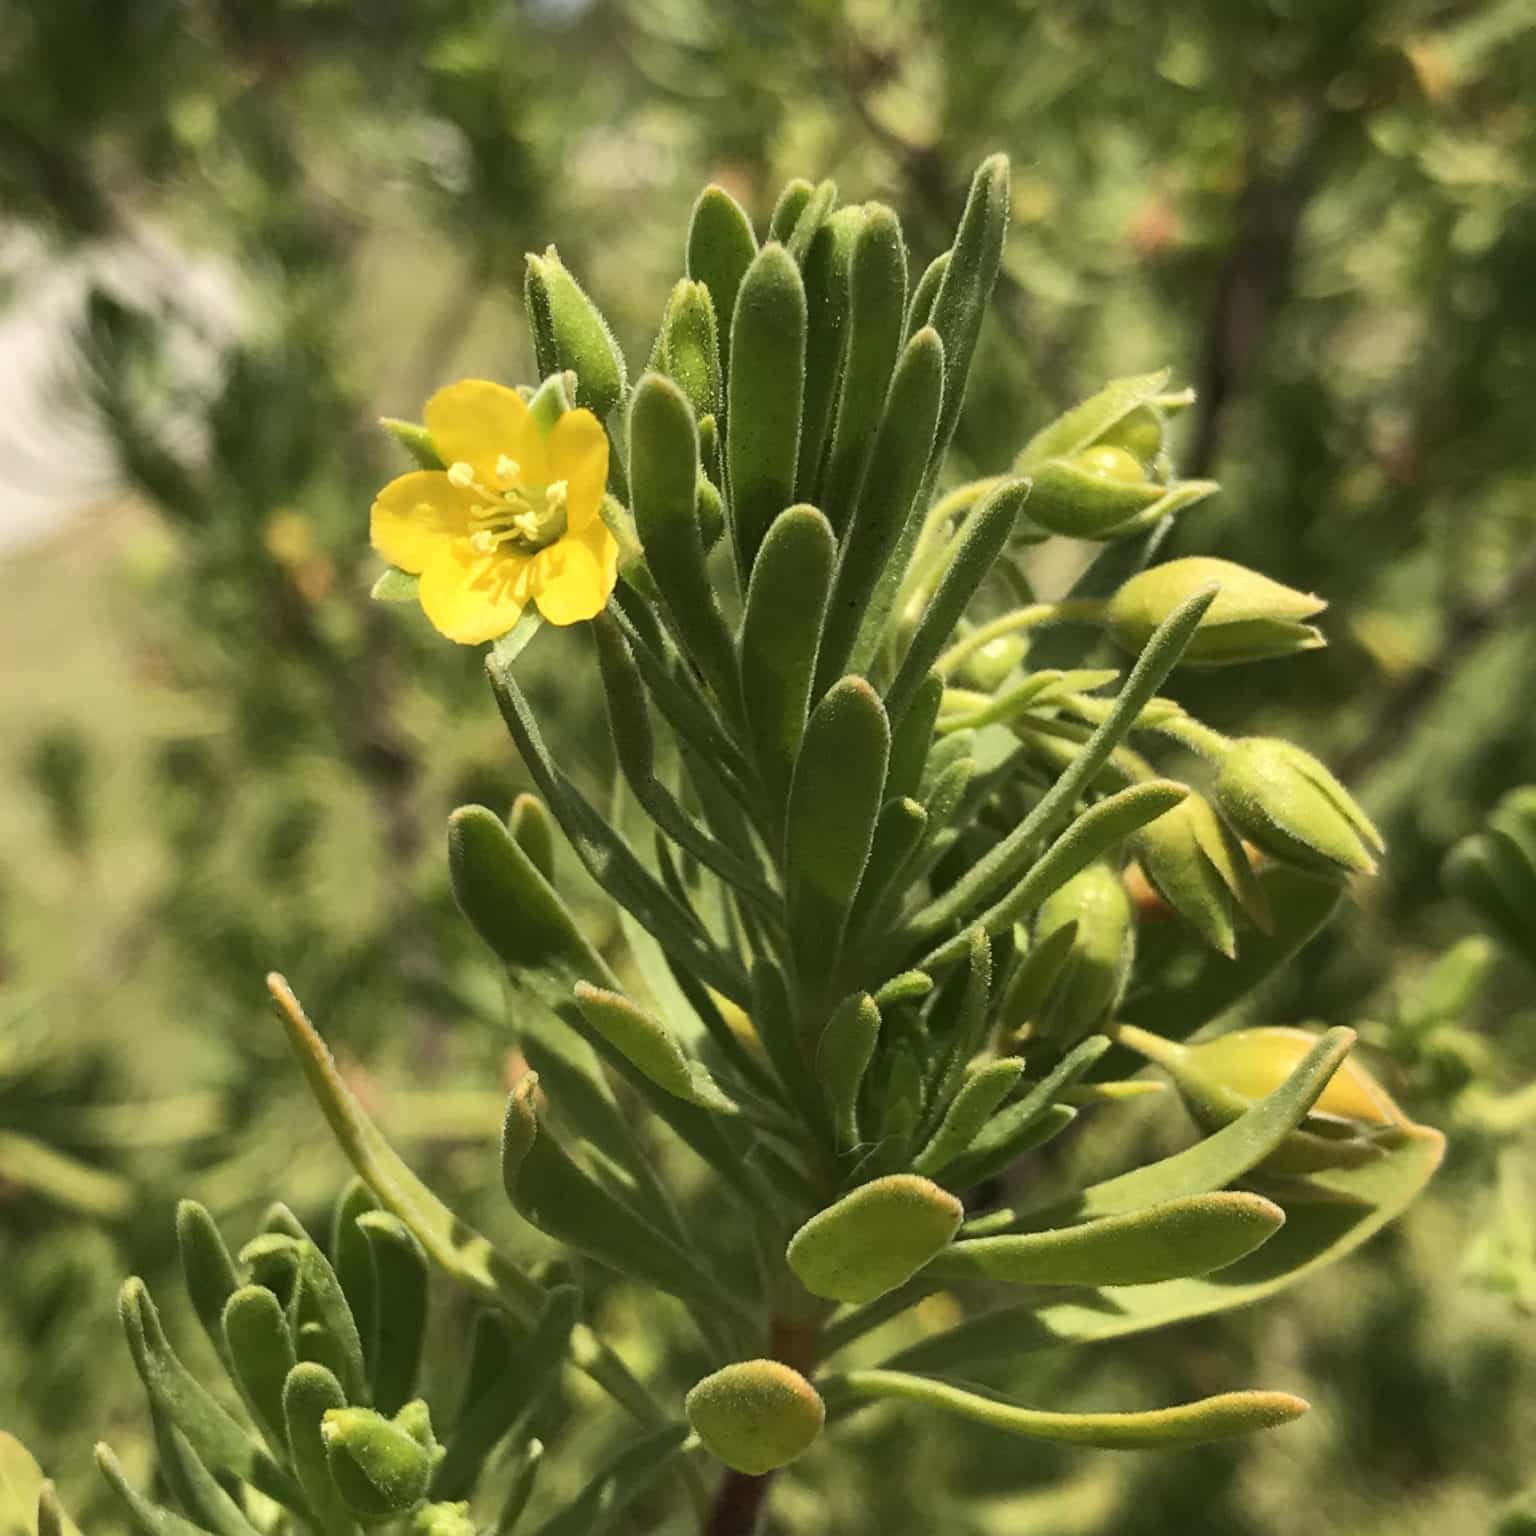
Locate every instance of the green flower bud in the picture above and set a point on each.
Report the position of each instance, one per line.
(1252, 618)
(443, 1520)
(1107, 462)
(1288, 805)
(1222, 1079)
(1093, 975)
(381, 1468)
(756, 1415)
(1139, 432)
(986, 667)
(1196, 864)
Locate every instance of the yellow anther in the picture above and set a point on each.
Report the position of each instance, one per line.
(461, 475)
(483, 542)
(507, 469)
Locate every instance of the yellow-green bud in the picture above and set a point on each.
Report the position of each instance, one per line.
(1222, 1079)
(756, 1415)
(875, 1238)
(1092, 978)
(1139, 432)
(443, 1520)
(1107, 462)
(1196, 864)
(380, 1468)
(1252, 618)
(1289, 806)
(987, 666)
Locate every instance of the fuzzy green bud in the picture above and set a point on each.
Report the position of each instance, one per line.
(445, 1519)
(756, 1415)
(1196, 864)
(1288, 805)
(1252, 618)
(1139, 433)
(1222, 1079)
(381, 1468)
(1092, 976)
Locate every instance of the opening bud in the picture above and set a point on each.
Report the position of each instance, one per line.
(1289, 806)
(756, 1415)
(381, 1467)
(1251, 619)
(1092, 976)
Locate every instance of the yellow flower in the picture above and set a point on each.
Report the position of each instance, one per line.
(516, 517)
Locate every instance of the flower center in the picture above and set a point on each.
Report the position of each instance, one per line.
(526, 517)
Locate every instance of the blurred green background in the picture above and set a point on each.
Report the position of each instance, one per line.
(236, 231)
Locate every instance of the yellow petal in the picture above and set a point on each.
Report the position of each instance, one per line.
(478, 423)
(471, 597)
(572, 579)
(414, 516)
(577, 452)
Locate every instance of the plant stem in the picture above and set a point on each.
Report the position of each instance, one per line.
(1081, 610)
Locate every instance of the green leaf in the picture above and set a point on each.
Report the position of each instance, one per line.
(570, 333)
(607, 857)
(192, 1485)
(1210, 1418)
(207, 1269)
(1170, 1241)
(352, 1258)
(52, 1518)
(530, 1374)
(525, 1474)
(912, 736)
(808, 224)
(721, 246)
(965, 288)
(780, 632)
(23, 1489)
(261, 1355)
(898, 461)
(533, 830)
(1005, 859)
(898, 835)
(877, 296)
(920, 311)
(664, 477)
(318, 1300)
(791, 204)
(842, 1057)
(1099, 829)
(1210, 1164)
(627, 1476)
(512, 907)
(146, 1518)
(645, 1042)
(976, 547)
(1341, 1209)
(455, 1246)
(66, 1180)
(688, 347)
(766, 389)
(834, 802)
(826, 272)
(401, 1308)
(874, 1239)
(985, 1086)
(216, 1439)
(309, 1393)
(552, 1192)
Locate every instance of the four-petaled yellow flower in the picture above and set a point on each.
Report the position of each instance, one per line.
(516, 517)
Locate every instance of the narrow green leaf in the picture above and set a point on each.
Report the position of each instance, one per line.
(789, 206)
(688, 347)
(766, 389)
(52, 1518)
(207, 1269)
(309, 1393)
(352, 1258)
(664, 478)
(721, 246)
(834, 801)
(985, 1086)
(453, 1245)
(898, 460)
(1102, 827)
(625, 1478)
(146, 1518)
(401, 1309)
(842, 1057)
(531, 1373)
(646, 1043)
(1173, 1240)
(1211, 1418)
(920, 311)
(261, 1355)
(981, 539)
(898, 836)
(912, 736)
(1006, 858)
(607, 857)
(533, 830)
(217, 1439)
(813, 214)
(877, 289)
(780, 632)
(318, 1299)
(525, 1475)
(826, 272)
(1341, 1208)
(193, 1487)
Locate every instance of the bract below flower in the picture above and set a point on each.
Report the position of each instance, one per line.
(515, 518)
